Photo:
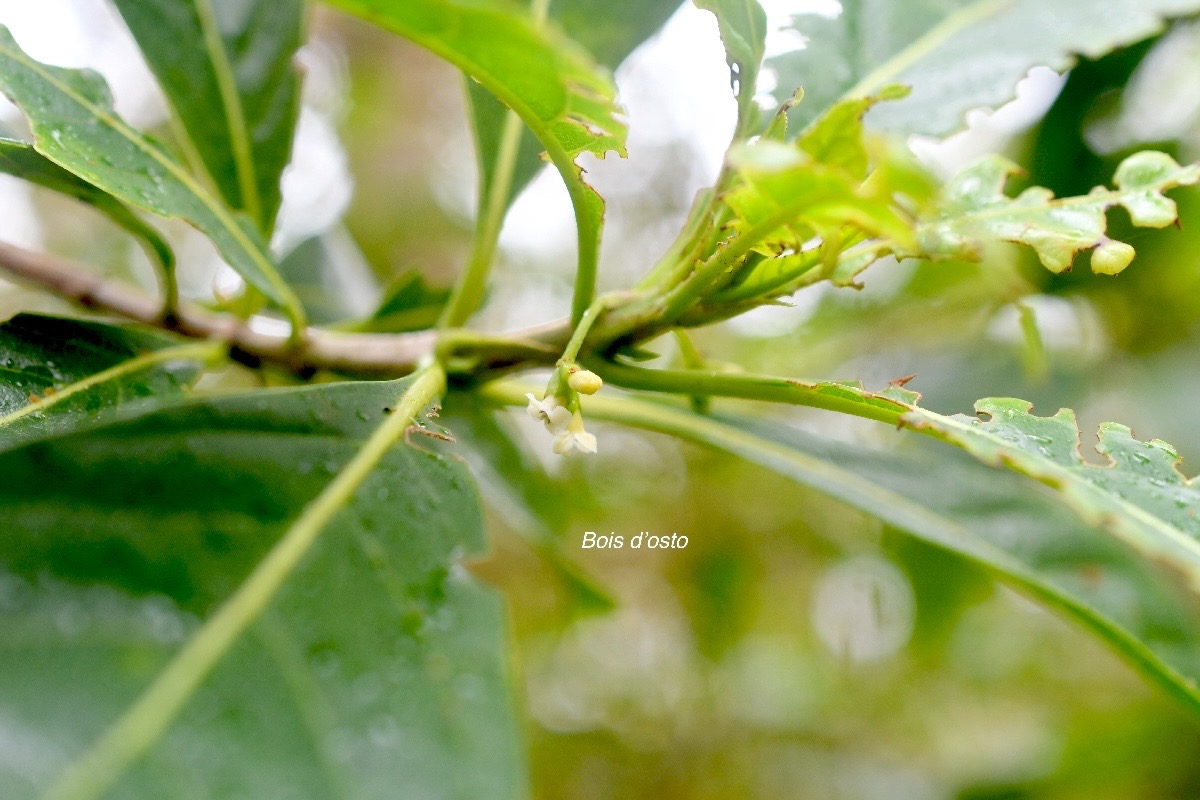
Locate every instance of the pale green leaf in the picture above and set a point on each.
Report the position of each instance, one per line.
(226, 69)
(890, 189)
(74, 125)
(783, 197)
(1138, 495)
(956, 54)
(836, 138)
(975, 210)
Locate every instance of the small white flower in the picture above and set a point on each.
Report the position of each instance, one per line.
(549, 411)
(574, 437)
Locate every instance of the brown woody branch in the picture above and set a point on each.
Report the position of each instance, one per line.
(367, 354)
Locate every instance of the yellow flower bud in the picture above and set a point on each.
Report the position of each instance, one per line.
(585, 382)
(1111, 257)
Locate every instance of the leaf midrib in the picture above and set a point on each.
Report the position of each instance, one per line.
(231, 104)
(197, 351)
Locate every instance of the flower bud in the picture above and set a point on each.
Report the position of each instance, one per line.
(585, 382)
(1111, 257)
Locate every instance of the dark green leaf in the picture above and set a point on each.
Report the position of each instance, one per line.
(63, 375)
(956, 54)
(75, 126)
(330, 277)
(377, 669)
(226, 69)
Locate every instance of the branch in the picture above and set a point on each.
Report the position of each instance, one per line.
(365, 354)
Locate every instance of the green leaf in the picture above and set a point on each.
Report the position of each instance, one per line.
(743, 27)
(21, 160)
(226, 69)
(972, 212)
(991, 519)
(608, 33)
(375, 669)
(975, 210)
(74, 125)
(884, 181)
(1139, 496)
(409, 304)
(58, 376)
(784, 197)
(957, 55)
(329, 275)
(837, 138)
(549, 81)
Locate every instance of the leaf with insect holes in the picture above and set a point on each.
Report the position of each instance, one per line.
(609, 34)
(74, 125)
(226, 70)
(975, 210)
(1139, 496)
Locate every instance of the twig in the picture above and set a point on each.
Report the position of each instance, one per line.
(368, 354)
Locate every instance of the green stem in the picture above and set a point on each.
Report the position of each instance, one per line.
(584, 326)
(468, 291)
(587, 230)
(149, 717)
(683, 296)
(839, 397)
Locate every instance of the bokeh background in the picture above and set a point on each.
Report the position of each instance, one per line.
(795, 649)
